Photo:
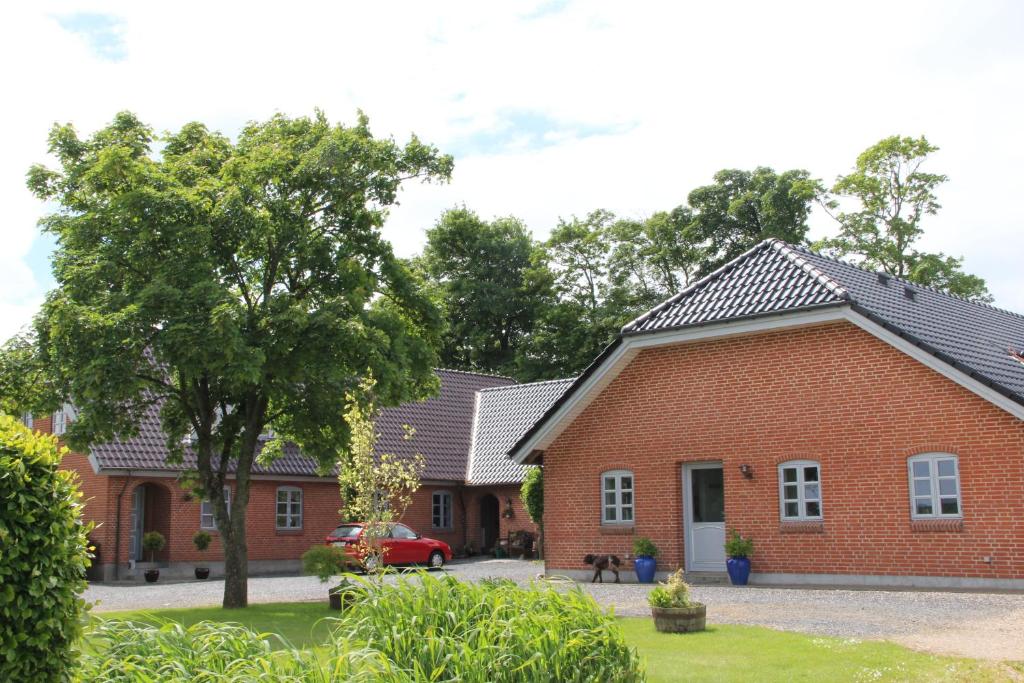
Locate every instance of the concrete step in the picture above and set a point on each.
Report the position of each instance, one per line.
(707, 578)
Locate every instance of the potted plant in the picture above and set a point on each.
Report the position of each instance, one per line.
(324, 562)
(153, 542)
(644, 563)
(738, 549)
(201, 540)
(672, 608)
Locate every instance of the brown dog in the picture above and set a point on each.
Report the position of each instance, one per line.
(602, 562)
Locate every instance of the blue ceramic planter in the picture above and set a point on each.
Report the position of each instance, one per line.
(645, 567)
(739, 570)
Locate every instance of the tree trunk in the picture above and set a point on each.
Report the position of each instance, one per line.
(236, 562)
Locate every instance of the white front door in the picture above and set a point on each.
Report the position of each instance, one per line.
(704, 517)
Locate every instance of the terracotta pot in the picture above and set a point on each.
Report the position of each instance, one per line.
(152, 575)
(202, 572)
(680, 619)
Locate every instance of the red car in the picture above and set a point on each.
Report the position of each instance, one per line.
(402, 545)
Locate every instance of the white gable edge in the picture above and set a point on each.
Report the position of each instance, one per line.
(631, 346)
(472, 437)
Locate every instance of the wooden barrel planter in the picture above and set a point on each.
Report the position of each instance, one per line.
(680, 619)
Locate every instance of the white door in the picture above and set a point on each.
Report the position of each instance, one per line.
(138, 513)
(704, 517)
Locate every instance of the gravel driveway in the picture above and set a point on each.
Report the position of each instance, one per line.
(969, 624)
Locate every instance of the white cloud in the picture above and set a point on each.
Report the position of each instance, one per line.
(554, 108)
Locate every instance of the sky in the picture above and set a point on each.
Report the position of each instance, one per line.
(550, 108)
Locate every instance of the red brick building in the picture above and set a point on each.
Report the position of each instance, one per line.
(863, 430)
(469, 495)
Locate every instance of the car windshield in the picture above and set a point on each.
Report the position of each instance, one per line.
(346, 531)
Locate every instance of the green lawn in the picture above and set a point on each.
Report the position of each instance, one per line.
(722, 653)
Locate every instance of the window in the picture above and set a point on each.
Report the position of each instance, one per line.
(61, 417)
(206, 520)
(402, 532)
(800, 490)
(934, 486)
(26, 419)
(442, 510)
(617, 497)
(289, 507)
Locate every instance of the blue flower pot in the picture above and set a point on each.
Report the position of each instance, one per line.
(645, 567)
(739, 570)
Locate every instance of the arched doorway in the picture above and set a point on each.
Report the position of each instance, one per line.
(150, 511)
(490, 523)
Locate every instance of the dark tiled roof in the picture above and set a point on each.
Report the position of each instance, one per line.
(443, 428)
(775, 277)
(503, 416)
(443, 424)
(764, 280)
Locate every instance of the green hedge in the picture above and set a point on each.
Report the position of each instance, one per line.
(43, 558)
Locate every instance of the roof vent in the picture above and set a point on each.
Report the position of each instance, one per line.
(1016, 355)
(908, 292)
(883, 279)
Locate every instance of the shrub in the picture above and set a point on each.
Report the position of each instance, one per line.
(44, 553)
(738, 546)
(440, 629)
(325, 561)
(210, 651)
(201, 540)
(644, 547)
(532, 493)
(153, 542)
(674, 593)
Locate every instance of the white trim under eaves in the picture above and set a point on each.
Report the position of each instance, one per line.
(632, 345)
(939, 366)
(472, 436)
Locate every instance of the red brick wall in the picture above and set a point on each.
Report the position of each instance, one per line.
(419, 515)
(832, 393)
(320, 503)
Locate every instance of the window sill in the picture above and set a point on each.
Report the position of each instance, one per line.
(940, 525)
(291, 531)
(617, 530)
(802, 527)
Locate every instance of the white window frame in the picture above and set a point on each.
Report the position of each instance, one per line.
(802, 498)
(289, 515)
(933, 478)
(61, 417)
(617, 507)
(441, 510)
(26, 419)
(206, 510)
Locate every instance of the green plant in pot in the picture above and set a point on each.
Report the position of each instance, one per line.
(152, 543)
(644, 562)
(201, 540)
(325, 562)
(673, 609)
(738, 549)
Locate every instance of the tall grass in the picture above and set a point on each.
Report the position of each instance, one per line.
(125, 651)
(418, 629)
(441, 629)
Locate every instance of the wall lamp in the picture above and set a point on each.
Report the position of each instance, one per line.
(747, 471)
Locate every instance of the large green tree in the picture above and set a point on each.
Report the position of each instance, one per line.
(241, 286)
(582, 316)
(652, 259)
(893, 195)
(742, 208)
(489, 285)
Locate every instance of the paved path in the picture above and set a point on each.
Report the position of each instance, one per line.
(969, 624)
